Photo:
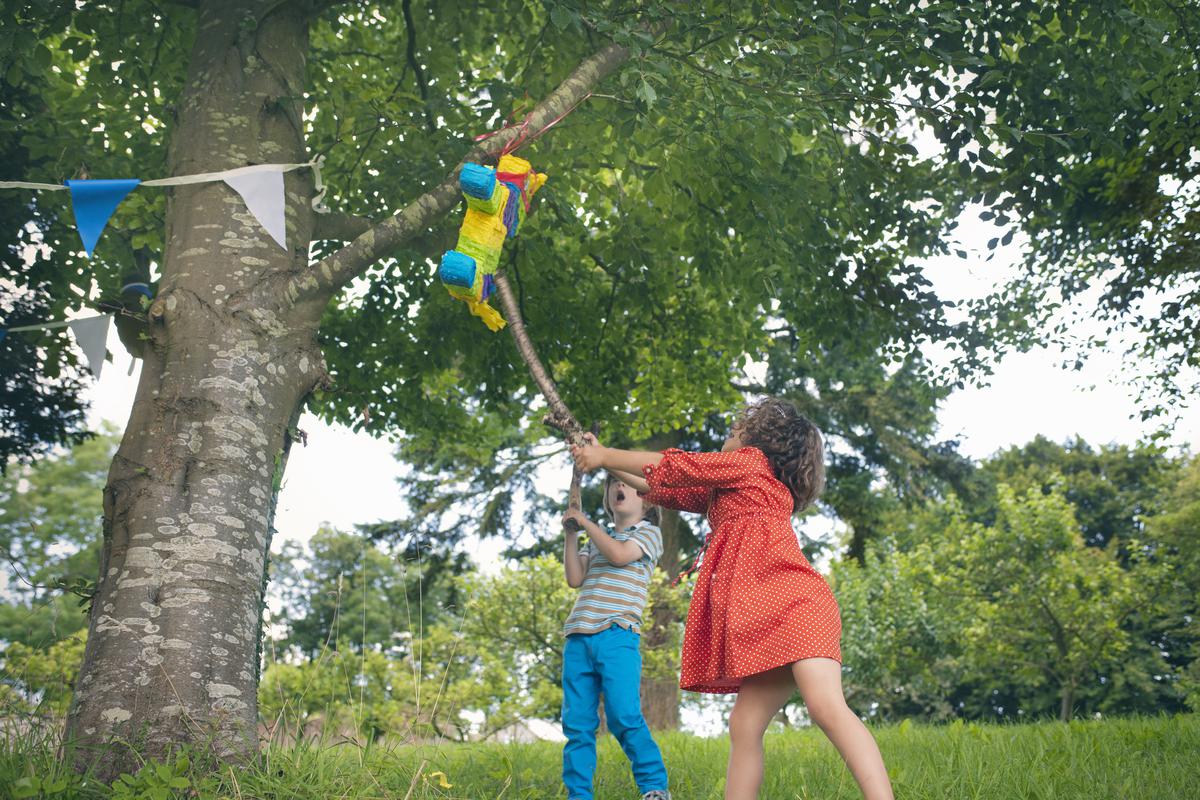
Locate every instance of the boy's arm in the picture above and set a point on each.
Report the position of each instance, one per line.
(619, 553)
(574, 562)
(629, 479)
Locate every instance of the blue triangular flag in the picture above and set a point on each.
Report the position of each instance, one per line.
(94, 202)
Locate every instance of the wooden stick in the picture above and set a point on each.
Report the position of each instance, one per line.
(560, 417)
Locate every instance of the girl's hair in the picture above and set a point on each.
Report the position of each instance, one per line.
(790, 442)
(650, 513)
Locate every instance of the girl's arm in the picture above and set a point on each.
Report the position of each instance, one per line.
(574, 563)
(619, 553)
(593, 456)
(627, 477)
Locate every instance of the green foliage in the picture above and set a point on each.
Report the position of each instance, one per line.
(462, 675)
(1174, 533)
(154, 781)
(32, 786)
(744, 189)
(341, 587)
(1035, 602)
(1093, 155)
(343, 694)
(514, 619)
(997, 604)
(1114, 489)
(50, 516)
(501, 658)
(84, 92)
(50, 535)
(45, 676)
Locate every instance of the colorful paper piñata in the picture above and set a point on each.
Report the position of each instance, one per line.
(497, 202)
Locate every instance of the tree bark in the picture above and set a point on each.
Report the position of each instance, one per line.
(171, 656)
(1066, 708)
(660, 695)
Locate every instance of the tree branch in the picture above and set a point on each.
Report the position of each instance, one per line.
(411, 27)
(343, 227)
(330, 274)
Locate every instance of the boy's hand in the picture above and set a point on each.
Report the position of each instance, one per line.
(588, 457)
(573, 514)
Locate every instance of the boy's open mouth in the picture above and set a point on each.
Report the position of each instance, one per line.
(620, 495)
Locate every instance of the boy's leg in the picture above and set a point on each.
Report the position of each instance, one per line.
(620, 666)
(581, 701)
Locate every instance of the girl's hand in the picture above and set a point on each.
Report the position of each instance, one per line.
(588, 457)
(576, 515)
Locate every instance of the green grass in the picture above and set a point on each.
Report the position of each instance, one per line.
(1139, 759)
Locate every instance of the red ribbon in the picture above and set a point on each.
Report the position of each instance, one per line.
(524, 136)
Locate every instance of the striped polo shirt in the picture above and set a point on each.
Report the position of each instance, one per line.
(615, 595)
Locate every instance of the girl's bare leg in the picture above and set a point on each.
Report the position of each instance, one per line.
(759, 700)
(820, 683)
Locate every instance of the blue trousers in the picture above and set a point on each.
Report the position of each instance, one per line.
(608, 662)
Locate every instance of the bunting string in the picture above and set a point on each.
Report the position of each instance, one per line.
(90, 332)
(199, 177)
(259, 185)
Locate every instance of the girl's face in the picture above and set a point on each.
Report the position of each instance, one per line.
(622, 499)
(735, 439)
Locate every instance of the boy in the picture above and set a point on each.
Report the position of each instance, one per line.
(603, 634)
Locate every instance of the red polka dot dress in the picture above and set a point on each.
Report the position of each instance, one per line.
(758, 603)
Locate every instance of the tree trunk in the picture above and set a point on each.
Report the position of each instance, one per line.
(660, 694)
(172, 647)
(1067, 708)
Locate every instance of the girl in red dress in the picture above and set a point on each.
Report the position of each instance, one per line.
(762, 622)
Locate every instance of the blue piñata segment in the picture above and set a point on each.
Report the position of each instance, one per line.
(457, 269)
(477, 180)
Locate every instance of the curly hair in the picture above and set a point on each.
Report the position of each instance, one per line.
(791, 442)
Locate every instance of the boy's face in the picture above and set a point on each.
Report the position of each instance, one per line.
(622, 499)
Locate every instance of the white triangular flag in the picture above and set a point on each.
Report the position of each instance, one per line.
(262, 192)
(92, 334)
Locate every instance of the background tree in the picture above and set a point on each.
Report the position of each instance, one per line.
(995, 605)
(1036, 599)
(50, 523)
(1092, 155)
(42, 677)
(1173, 535)
(1114, 489)
(340, 588)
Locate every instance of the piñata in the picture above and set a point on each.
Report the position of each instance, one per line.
(497, 202)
